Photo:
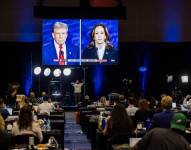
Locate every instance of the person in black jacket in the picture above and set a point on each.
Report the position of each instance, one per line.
(12, 93)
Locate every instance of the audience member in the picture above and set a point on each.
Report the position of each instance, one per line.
(46, 107)
(32, 98)
(102, 101)
(22, 101)
(117, 125)
(26, 125)
(5, 138)
(118, 122)
(40, 99)
(163, 119)
(11, 96)
(3, 111)
(131, 109)
(144, 112)
(166, 139)
(187, 103)
(86, 101)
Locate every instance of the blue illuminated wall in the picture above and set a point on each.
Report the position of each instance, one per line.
(98, 78)
(26, 26)
(27, 79)
(172, 20)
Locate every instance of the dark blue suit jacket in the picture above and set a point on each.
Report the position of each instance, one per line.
(111, 55)
(163, 119)
(49, 55)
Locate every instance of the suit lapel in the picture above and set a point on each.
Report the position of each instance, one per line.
(106, 54)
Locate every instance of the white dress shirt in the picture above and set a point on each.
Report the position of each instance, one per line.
(101, 51)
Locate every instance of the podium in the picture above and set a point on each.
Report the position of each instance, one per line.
(55, 90)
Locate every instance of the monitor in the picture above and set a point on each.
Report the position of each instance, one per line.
(79, 42)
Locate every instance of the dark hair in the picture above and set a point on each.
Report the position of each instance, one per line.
(120, 119)
(1, 101)
(131, 100)
(92, 43)
(25, 118)
(143, 105)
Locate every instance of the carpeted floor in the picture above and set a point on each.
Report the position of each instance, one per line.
(74, 138)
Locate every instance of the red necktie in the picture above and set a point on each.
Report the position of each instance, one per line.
(61, 56)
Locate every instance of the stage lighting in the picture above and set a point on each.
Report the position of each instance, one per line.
(142, 69)
(169, 78)
(67, 71)
(37, 70)
(47, 72)
(57, 72)
(184, 79)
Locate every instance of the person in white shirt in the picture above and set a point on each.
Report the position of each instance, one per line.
(77, 90)
(46, 107)
(131, 109)
(26, 125)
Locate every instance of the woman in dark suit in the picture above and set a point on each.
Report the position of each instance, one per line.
(99, 50)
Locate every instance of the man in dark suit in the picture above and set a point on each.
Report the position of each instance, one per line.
(58, 52)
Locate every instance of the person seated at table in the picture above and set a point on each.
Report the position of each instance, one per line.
(118, 122)
(162, 119)
(26, 125)
(46, 107)
(40, 99)
(57, 107)
(3, 111)
(23, 101)
(86, 101)
(5, 138)
(131, 109)
(187, 103)
(102, 101)
(32, 98)
(122, 99)
(143, 113)
(166, 139)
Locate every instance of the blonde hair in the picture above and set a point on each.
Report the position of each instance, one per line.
(166, 102)
(103, 100)
(60, 25)
(2, 123)
(23, 102)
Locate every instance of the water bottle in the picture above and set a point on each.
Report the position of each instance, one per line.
(48, 125)
(31, 143)
(45, 125)
(103, 123)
